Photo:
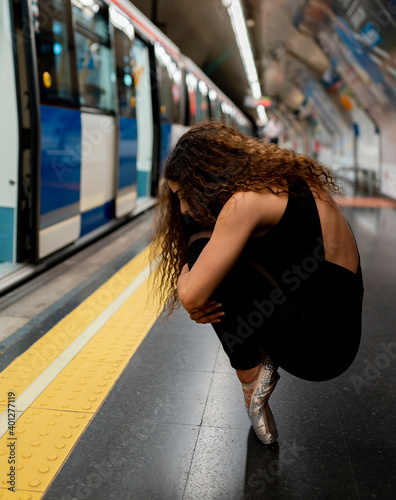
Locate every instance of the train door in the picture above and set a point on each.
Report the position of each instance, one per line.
(144, 115)
(99, 127)
(126, 189)
(50, 128)
(9, 144)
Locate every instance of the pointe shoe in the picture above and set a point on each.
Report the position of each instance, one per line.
(256, 396)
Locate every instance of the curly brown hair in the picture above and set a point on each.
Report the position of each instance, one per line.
(210, 163)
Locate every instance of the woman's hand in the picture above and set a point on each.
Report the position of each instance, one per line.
(209, 313)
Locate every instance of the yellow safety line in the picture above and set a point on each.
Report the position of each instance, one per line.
(49, 429)
(23, 370)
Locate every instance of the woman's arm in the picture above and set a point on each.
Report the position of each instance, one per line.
(240, 216)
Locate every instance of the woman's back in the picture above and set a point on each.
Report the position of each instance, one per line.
(339, 243)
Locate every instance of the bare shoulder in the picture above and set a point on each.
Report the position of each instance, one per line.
(339, 242)
(264, 206)
(262, 210)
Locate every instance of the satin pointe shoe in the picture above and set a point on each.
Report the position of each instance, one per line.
(256, 396)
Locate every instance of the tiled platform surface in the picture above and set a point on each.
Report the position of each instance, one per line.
(175, 427)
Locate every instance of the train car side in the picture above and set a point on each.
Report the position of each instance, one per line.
(98, 98)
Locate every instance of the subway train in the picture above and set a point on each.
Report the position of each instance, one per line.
(92, 98)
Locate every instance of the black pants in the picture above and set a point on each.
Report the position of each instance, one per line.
(316, 339)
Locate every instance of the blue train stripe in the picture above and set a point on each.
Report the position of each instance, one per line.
(166, 141)
(96, 217)
(60, 160)
(127, 152)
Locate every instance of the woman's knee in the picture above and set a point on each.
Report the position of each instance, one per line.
(248, 376)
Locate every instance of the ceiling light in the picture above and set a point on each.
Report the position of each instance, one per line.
(212, 95)
(238, 23)
(262, 114)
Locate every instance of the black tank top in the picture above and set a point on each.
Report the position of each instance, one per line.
(292, 251)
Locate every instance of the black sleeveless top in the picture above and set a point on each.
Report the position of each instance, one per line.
(292, 252)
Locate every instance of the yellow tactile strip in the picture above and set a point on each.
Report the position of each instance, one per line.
(4, 494)
(23, 370)
(44, 440)
(49, 429)
(103, 359)
(80, 386)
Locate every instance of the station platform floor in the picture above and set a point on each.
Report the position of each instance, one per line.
(113, 402)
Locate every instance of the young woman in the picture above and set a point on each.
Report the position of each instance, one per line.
(250, 239)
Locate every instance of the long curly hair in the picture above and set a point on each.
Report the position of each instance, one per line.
(210, 163)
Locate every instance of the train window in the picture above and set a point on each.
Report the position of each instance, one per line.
(226, 109)
(95, 65)
(55, 53)
(124, 38)
(96, 76)
(170, 82)
(192, 83)
(92, 15)
(202, 101)
(223, 115)
(214, 105)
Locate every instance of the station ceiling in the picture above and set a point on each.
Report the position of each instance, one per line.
(295, 43)
(203, 31)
